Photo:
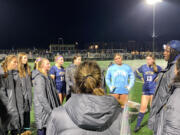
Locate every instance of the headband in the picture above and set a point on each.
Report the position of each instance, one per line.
(38, 59)
(59, 57)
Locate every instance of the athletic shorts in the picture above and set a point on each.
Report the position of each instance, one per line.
(120, 91)
(148, 93)
(61, 90)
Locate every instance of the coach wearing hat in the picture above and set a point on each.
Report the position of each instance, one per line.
(157, 119)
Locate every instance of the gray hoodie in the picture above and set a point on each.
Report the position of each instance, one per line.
(86, 114)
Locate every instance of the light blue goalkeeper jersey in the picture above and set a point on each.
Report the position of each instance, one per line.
(120, 78)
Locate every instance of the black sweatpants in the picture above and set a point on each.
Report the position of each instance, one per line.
(26, 120)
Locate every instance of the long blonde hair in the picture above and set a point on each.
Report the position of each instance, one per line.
(155, 68)
(23, 68)
(88, 78)
(5, 63)
(40, 64)
(36, 62)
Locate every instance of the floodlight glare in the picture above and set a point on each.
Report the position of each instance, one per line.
(153, 2)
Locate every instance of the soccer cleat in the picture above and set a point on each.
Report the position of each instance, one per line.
(136, 129)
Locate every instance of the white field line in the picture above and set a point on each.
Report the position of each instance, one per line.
(139, 81)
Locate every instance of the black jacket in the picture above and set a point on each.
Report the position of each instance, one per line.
(86, 114)
(45, 98)
(12, 98)
(169, 114)
(169, 118)
(4, 117)
(27, 92)
(161, 95)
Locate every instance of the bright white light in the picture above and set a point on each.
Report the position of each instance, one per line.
(153, 2)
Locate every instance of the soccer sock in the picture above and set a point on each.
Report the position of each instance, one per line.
(140, 118)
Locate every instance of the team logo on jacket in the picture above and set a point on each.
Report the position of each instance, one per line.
(120, 73)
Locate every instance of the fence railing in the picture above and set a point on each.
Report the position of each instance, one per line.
(107, 54)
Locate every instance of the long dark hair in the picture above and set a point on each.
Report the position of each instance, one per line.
(173, 54)
(177, 76)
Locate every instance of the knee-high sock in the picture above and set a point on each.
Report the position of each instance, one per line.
(140, 118)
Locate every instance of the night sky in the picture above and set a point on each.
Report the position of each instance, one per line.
(28, 23)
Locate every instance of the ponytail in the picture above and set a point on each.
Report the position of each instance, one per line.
(155, 69)
(98, 92)
(88, 78)
(177, 76)
(39, 66)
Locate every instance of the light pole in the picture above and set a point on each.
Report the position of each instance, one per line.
(62, 41)
(153, 3)
(96, 47)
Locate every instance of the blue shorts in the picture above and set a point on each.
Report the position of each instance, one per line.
(61, 90)
(148, 93)
(120, 91)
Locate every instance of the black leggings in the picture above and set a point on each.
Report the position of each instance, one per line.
(68, 97)
(26, 120)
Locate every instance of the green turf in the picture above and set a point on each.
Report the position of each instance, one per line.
(135, 95)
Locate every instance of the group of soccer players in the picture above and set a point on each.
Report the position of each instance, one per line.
(117, 78)
(16, 82)
(53, 84)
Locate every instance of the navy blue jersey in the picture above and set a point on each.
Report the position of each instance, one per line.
(149, 77)
(59, 74)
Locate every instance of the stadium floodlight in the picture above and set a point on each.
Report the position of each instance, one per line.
(153, 2)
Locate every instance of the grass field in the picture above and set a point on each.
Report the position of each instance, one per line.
(135, 95)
